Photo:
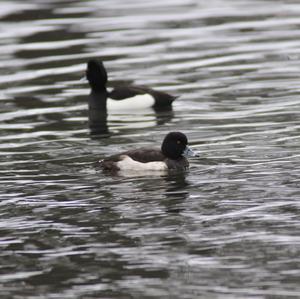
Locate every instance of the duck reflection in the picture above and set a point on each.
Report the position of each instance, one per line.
(176, 191)
(102, 123)
(98, 123)
(170, 188)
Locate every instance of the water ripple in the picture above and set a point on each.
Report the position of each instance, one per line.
(227, 228)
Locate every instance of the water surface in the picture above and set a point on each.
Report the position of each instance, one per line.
(227, 228)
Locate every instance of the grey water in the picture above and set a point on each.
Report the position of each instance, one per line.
(227, 228)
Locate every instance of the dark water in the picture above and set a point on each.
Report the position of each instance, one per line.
(228, 228)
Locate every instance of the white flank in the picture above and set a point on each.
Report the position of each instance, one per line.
(129, 164)
(138, 102)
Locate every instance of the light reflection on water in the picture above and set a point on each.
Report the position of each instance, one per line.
(227, 228)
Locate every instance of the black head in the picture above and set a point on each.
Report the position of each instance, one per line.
(174, 145)
(96, 75)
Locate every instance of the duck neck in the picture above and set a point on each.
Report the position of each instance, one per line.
(98, 99)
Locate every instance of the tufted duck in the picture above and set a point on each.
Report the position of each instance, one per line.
(122, 97)
(172, 155)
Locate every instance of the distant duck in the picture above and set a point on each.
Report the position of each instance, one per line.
(122, 97)
(172, 155)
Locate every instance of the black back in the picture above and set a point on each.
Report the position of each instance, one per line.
(162, 99)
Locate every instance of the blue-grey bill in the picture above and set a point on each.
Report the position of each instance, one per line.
(188, 152)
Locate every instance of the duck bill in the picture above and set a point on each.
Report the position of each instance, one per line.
(188, 152)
